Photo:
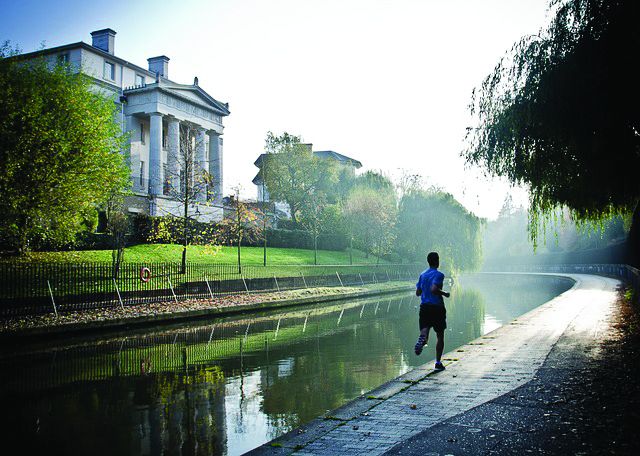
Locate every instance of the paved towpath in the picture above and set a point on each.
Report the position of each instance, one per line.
(410, 413)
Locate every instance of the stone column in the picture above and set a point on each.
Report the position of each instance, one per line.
(173, 157)
(200, 162)
(215, 165)
(155, 154)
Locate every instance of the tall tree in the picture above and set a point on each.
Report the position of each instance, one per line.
(61, 151)
(559, 114)
(431, 220)
(371, 217)
(294, 173)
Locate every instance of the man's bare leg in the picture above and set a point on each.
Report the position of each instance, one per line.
(439, 345)
(422, 340)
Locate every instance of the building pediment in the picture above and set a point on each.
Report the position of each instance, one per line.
(196, 94)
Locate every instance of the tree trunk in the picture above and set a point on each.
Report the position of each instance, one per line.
(633, 241)
(185, 239)
(315, 249)
(239, 262)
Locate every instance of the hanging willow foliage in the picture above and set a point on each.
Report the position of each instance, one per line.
(559, 114)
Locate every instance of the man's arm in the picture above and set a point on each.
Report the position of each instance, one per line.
(436, 289)
(418, 292)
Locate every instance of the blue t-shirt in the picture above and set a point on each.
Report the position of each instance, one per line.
(428, 278)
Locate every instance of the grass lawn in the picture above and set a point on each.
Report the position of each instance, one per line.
(203, 255)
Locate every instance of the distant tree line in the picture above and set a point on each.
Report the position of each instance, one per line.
(398, 222)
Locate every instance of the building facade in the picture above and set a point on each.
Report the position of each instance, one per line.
(165, 120)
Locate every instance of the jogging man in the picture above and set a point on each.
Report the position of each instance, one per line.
(432, 311)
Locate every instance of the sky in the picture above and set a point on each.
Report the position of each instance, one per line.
(387, 82)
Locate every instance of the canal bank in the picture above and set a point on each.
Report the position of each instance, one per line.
(498, 392)
(111, 319)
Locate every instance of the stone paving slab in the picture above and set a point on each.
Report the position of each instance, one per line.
(487, 368)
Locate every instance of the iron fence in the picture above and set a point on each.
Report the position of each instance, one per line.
(36, 288)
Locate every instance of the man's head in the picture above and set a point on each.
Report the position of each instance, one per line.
(433, 259)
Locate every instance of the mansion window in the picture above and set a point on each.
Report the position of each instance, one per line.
(139, 80)
(109, 71)
(166, 187)
(164, 138)
(141, 177)
(142, 133)
(63, 59)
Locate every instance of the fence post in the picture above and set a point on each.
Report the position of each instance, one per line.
(55, 311)
(211, 335)
(277, 328)
(245, 284)
(208, 286)
(118, 291)
(341, 284)
(276, 280)
(172, 292)
(304, 281)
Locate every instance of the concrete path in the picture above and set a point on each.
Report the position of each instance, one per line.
(405, 410)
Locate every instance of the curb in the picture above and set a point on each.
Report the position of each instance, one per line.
(71, 329)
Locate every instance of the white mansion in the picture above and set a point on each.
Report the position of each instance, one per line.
(156, 112)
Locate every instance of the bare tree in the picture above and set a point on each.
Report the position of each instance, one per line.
(244, 223)
(188, 182)
(118, 225)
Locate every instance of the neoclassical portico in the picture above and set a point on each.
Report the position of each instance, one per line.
(175, 113)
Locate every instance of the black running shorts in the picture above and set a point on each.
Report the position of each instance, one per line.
(433, 316)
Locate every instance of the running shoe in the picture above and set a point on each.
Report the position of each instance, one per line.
(439, 366)
(422, 341)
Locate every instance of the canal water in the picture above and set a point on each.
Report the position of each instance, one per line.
(229, 385)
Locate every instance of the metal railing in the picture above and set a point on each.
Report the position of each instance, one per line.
(36, 288)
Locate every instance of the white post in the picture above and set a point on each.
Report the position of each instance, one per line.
(172, 292)
(118, 291)
(211, 335)
(55, 311)
(304, 281)
(277, 286)
(388, 278)
(374, 277)
(304, 327)
(361, 279)
(209, 287)
(245, 284)
(341, 284)
(340, 317)
(362, 310)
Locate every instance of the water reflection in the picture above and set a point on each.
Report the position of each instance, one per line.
(226, 386)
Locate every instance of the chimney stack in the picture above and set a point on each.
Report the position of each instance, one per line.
(104, 39)
(159, 65)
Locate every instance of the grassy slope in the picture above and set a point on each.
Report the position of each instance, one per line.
(202, 255)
